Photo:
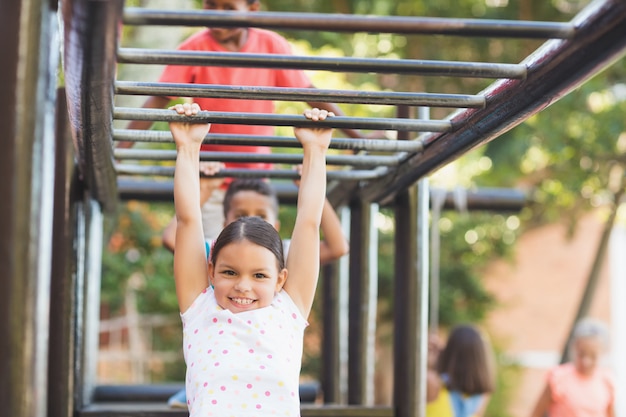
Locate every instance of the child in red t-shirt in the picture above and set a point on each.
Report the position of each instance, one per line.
(245, 40)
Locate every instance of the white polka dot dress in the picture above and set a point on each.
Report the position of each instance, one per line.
(244, 364)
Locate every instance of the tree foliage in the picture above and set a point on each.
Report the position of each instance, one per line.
(134, 249)
(571, 155)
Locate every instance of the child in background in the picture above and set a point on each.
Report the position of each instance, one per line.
(463, 378)
(580, 388)
(256, 197)
(244, 40)
(244, 312)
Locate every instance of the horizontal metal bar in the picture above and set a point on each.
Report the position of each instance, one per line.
(343, 64)
(493, 199)
(135, 393)
(147, 409)
(380, 145)
(159, 393)
(299, 94)
(497, 199)
(165, 171)
(265, 119)
(275, 158)
(352, 23)
(132, 188)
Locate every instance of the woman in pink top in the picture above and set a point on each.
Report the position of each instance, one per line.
(580, 388)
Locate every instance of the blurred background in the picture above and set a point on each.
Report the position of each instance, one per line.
(520, 276)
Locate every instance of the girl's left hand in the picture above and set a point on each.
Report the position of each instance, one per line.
(315, 135)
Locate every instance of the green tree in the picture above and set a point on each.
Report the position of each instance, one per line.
(134, 249)
(134, 260)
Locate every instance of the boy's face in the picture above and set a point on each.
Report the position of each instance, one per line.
(249, 203)
(225, 35)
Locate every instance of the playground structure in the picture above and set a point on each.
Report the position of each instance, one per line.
(61, 179)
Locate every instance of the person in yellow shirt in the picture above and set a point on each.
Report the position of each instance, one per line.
(461, 376)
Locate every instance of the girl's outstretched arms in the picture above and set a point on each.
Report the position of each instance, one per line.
(190, 265)
(304, 251)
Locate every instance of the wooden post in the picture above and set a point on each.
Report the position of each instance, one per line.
(27, 89)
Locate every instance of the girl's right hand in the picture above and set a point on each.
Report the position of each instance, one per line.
(188, 131)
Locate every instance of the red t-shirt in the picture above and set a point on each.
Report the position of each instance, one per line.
(259, 41)
(575, 395)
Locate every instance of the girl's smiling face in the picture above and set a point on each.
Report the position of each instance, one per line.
(245, 276)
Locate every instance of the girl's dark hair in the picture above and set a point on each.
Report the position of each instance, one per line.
(255, 230)
(250, 184)
(467, 362)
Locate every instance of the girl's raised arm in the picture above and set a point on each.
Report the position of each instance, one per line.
(304, 252)
(190, 265)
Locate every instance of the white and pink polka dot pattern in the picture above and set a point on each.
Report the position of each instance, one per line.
(244, 364)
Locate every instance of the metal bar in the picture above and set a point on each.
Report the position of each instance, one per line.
(92, 284)
(380, 66)
(330, 340)
(405, 306)
(159, 393)
(421, 331)
(265, 119)
(79, 245)
(164, 171)
(89, 68)
(554, 70)
(405, 312)
(496, 199)
(298, 94)
(163, 191)
(135, 393)
(145, 190)
(437, 200)
(358, 304)
(62, 283)
(381, 145)
(152, 410)
(343, 276)
(422, 258)
(170, 155)
(372, 305)
(352, 23)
